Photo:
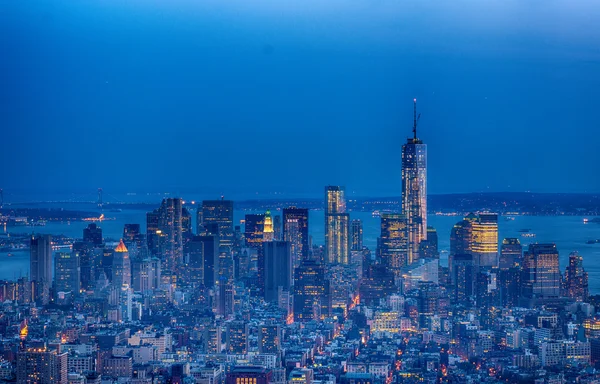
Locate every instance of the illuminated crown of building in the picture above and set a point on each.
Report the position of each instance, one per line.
(121, 247)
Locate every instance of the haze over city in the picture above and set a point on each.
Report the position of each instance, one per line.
(147, 95)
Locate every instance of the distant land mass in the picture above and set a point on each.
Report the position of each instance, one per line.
(506, 203)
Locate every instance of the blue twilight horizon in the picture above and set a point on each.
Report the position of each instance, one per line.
(292, 96)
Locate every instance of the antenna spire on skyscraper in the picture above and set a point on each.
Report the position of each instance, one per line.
(415, 119)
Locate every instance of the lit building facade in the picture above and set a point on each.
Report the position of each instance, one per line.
(295, 231)
(356, 235)
(337, 221)
(67, 276)
(414, 190)
(485, 239)
(393, 241)
(541, 274)
(576, 278)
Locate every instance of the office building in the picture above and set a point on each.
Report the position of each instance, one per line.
(337, 226)
(202, 254)
(541, 274)
(311, 292)
(484, 244)
(93, 234)
(165, 231)
(219, 212)
(414, 190)
(295, 231)
(268, 232)
(356, 235)
(576, 278)
(121, 267)
(254, 230)
(66, 273)
(511, 253)
(40, 267)
(277, 229)
(277, 269)
(393, 242)
(464, 271)
(428, 249)
(87, 265)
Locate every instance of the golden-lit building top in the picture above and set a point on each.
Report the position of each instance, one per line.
(121, 247)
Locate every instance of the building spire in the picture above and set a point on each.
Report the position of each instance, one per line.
(415, 119)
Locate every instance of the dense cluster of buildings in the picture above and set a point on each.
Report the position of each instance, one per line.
(259, 303)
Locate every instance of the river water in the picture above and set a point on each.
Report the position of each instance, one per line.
(570, 233)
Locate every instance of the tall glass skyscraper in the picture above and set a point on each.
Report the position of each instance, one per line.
(414, 190)
(485, 239)
(295, 231)
(337, 226)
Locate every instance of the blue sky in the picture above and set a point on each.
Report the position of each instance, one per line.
(289, 96)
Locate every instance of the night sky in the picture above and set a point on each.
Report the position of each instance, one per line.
(289, 96)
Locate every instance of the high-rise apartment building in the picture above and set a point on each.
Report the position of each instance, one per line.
(41, 366)
(337, 226)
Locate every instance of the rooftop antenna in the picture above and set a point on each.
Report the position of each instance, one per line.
(415, 119)
(1, 198)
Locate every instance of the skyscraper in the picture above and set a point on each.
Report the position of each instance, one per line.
(576, 278)
(254, 230)
(393, 242)
(121, 267)
(356, 235)
(428, 249)
(541, 276)
(67, 273)
(511, 253)
(165, 232)
(268, 232)
(93, 234)
(311, 292)
(337, 229)
(277, 268)
(485, 239)
(40, 267)
(221, 213)
(414, 189)
(295, 231)
(277, 230)
(202, 253)
(464, 272)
